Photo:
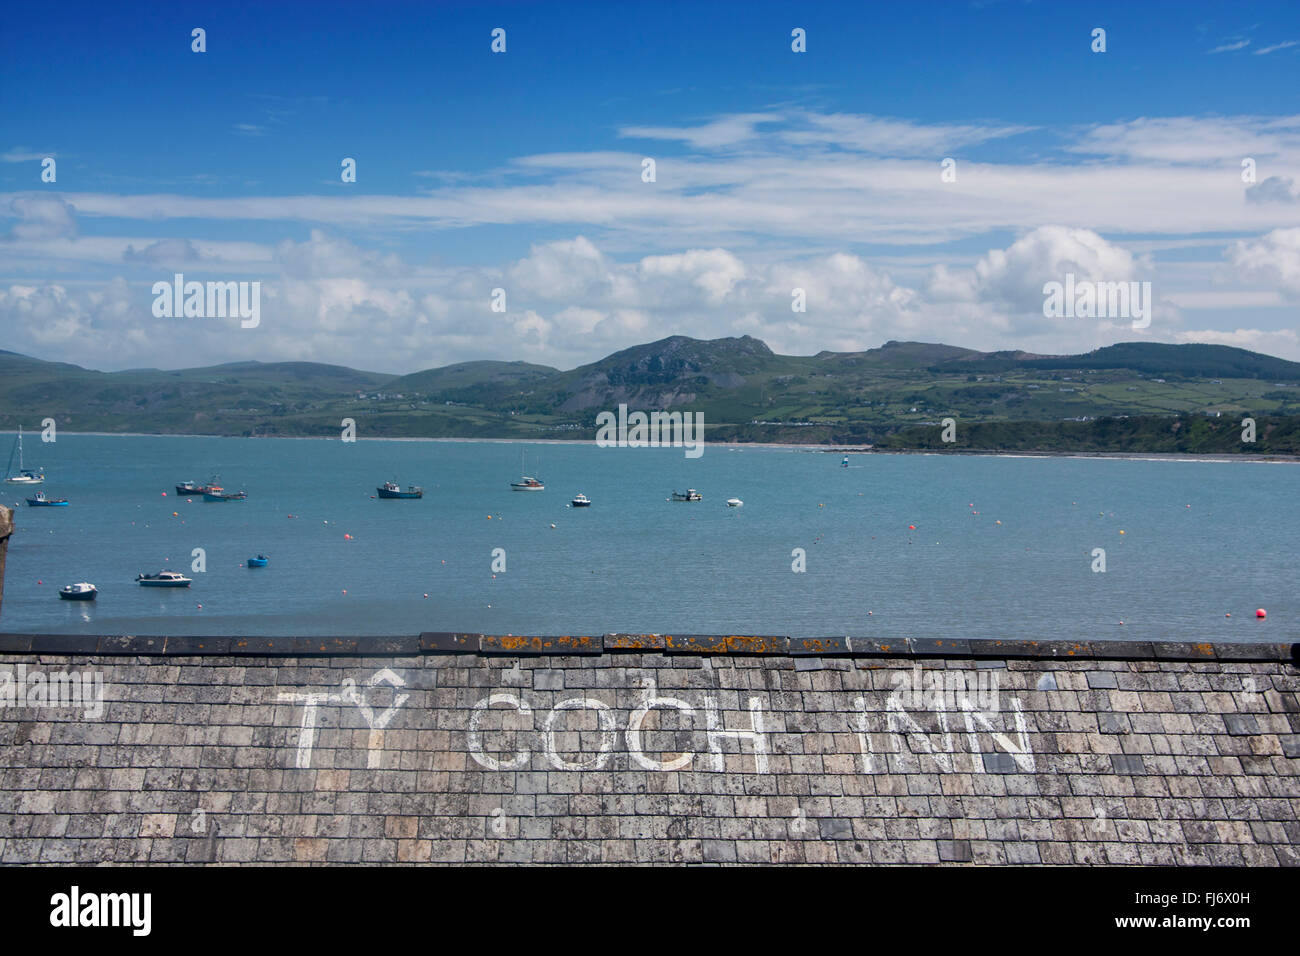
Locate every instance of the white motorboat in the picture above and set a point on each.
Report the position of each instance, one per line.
(164, 579)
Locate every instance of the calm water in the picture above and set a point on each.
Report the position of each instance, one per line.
(635, 562)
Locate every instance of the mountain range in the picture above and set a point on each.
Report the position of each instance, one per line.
(745, 391)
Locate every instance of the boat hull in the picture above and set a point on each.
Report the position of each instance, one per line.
(165, 584)
(514, 486)
(257, 562)
(78, 596)
(238, 496)
(386, 494)
(46, 504)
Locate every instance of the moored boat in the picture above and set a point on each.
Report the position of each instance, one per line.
(391, 489)
(689, 495)
(82, 591)
(258, 562)
(198, 487)
(734, 502)
(217, 494)
(25, 476)
(40, 501)
(580, 501)
(163, 579)
(527, 484)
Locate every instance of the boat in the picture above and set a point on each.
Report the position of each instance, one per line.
(40, 501)
(845, 462)
(163, 579)
(258, 562)
(25, 476)
(391, 489)
(83, 591)
(690, 495)
(194, 488)
(217, 494)
(580, 501)
(526, 483)
(734, 502)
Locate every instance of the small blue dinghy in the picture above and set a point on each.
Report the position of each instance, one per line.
(258, 562)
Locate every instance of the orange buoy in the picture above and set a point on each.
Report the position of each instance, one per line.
(911, 527)
(347, 537)
(1121, 531)
(1227, 615)
(1261, 614)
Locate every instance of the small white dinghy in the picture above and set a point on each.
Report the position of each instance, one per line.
(734, 502)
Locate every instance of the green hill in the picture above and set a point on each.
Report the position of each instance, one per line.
(746, 392)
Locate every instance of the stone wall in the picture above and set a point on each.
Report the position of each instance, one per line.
(649, 749)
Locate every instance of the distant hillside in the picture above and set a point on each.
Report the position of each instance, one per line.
(899, 355)
(1153, 358)
(745, 391)
(673, 371)
(463, 381)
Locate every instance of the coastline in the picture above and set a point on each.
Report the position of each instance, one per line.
(781, 446)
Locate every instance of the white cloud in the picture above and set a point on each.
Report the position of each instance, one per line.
(21, 154)
(42, 217)
(1193, 139)
(1273, 259)
(1277, 46)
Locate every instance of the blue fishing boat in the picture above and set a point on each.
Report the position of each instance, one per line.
(258, 562)
(40, 501)
(391, 489)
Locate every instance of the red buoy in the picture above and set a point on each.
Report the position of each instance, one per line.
(1261, 614)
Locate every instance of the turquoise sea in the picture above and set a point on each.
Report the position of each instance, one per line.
(1002, 547)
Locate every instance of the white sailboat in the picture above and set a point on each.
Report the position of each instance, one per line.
(25, 476)
(526, 483)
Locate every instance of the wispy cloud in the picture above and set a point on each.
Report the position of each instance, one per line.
(248, 129)
(21, 154)
(1229, 47)
(1277, 46)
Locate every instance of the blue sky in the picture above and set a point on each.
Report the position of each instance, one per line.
(522, 170)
